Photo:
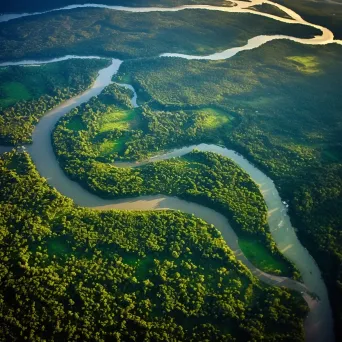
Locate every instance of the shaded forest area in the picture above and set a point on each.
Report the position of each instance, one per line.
(69, 273)
(324, 13)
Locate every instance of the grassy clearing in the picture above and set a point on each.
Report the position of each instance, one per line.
(109, 147)
(122, 120)
(215, 118)
(305, 64)
(262, 258)
(27, 83)
(125, 78)
(13, 92)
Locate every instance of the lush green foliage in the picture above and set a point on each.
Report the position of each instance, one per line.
(126, 35)
(108, 129)
(204, 178)
(27, 93)
(69, 273)
(287, 125)
(268, 104)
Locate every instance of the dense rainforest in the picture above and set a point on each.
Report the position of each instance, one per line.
(89, 135)
(70, 273)
(109, 129)
(285, 98)
(28, 92)
(83, 275)
(104, 32)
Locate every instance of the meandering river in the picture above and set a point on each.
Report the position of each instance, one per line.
(319, 323)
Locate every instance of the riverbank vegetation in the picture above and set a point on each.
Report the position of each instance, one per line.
(28, 92)
(71, 273)
(87, 143)
(286, 124)
(108, 129)
(104, 32)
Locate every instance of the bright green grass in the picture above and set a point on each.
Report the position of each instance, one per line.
(13, 92)
(305, 64)
(262, 258)
(109, 147)
(122, 120)
(215, 118)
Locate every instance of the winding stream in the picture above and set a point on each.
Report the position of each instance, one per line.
(319, 323)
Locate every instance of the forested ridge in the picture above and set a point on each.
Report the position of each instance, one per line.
(27, 93)
(287, 125)
(69, 273)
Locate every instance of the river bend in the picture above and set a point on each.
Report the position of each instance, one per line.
(319, 323)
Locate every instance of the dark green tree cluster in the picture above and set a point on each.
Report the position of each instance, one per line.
(69, 273)
(46, 86)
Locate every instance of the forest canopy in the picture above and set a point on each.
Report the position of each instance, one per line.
(70, 273)
(285, 124)
(28, 92)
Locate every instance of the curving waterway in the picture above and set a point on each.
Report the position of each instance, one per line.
(319, 323)
(327, 37)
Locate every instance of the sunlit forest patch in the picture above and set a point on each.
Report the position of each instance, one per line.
(104, 275)
(119, 119)
(306, 64)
